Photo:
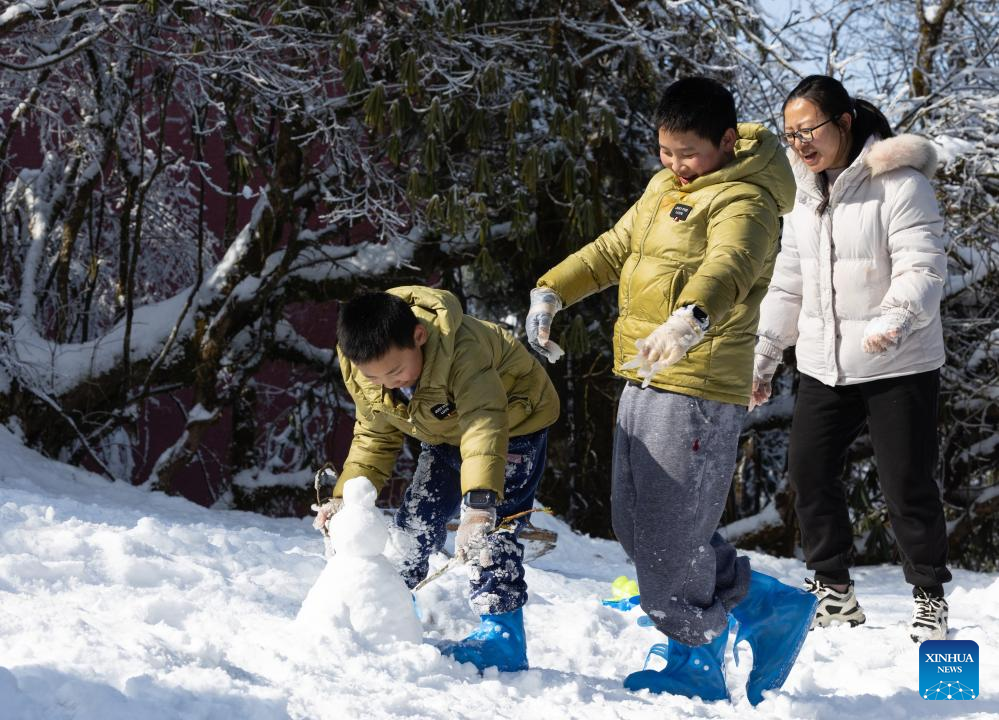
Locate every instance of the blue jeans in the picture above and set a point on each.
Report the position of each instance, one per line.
(434, 497)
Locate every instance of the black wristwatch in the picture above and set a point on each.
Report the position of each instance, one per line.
(700, 316)
(480, 499)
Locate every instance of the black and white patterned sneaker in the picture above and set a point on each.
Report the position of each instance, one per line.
(929, 618)
(834, 606)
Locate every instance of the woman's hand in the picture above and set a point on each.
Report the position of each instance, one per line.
(889, 328)
(764, 368)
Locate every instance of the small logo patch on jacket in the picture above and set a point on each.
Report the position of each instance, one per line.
(680, 212)
(443, 410)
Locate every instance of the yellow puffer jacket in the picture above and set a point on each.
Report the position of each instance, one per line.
(710, 243)
(479, 387)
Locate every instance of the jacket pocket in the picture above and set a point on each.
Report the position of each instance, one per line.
(518, 409)
(672, 290)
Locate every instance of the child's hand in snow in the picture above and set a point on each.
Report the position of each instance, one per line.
(667, 344)
(325, 511)
(476, 524)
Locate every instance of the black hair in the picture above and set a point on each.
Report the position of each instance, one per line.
(371, 324)
(832, 99)
(699, 105)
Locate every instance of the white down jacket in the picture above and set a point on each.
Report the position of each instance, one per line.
(878, 246)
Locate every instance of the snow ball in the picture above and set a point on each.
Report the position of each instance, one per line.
(358, 530)
(358, 534)
(359, 491)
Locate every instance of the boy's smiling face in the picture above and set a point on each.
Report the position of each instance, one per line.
(689, 155)
(400, 366)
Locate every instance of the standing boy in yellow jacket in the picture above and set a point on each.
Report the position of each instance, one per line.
(692, 259)
(481, 406)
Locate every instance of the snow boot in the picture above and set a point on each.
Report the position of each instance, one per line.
(834, 606)
(498, 642)
(774, 619)
(929, 618)
(690, 671)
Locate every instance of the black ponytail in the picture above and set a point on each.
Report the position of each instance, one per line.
(867, 121)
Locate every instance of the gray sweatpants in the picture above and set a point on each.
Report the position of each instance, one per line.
(674, 456)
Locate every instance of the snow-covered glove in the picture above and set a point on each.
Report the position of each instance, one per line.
(889, 328)
(764, 368)
(544, 304)
(667, 344)
(475, 525)
(325, 511)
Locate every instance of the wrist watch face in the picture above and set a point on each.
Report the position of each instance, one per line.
(480, 498)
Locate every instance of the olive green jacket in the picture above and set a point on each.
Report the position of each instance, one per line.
(710, 243)
(479, 387)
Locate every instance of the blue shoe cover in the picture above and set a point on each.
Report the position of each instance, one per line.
(690, 671)
(498, 642)
(774, 619)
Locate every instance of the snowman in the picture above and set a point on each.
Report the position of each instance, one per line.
(360, 588)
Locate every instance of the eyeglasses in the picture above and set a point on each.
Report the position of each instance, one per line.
(805, 135)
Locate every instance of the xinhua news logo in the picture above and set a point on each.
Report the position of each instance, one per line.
(948, 670)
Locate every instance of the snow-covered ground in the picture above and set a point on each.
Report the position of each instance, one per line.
(117, 603)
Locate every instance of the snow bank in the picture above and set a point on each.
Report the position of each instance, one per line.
(120, 604)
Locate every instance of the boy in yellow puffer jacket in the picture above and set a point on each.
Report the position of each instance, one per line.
(481, 406)
(692, 259)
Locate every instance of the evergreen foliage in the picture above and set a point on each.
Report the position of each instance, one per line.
(183, 183)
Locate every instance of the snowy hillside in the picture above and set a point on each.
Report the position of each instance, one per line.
(120, 604)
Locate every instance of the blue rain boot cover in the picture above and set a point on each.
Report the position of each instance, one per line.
(498, 642)
(690, 671)
(774, 619)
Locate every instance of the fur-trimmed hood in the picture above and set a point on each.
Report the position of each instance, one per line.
(901, 151)
(877, 158)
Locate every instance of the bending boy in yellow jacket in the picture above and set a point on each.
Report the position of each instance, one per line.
(692, 259)
(481, 406)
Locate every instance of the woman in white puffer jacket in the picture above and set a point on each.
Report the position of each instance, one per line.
(857, 290)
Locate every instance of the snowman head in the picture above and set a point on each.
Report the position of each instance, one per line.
(358, 529)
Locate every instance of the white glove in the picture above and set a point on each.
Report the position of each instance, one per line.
(667, 344)
(476, 524)
(889, 328)
(326, 511)
(544, 304)
(764, 368)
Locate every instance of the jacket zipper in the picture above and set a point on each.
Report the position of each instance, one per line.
(641, 244)
(832, 291)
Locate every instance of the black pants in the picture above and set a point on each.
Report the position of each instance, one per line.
(901, 415)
